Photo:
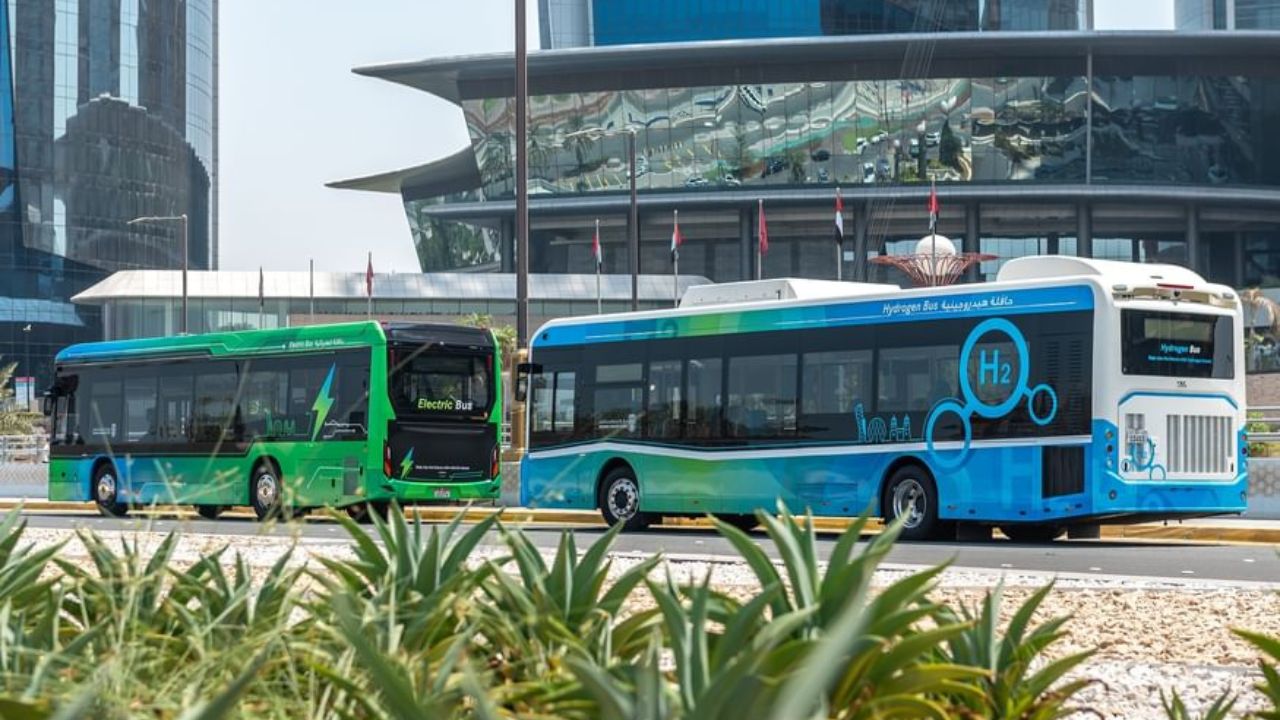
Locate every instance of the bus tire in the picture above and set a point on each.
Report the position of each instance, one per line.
(210, 512)
(1033, 533)
(912, 492)
(265, 491)
(363, 512)
(746, 522)
(106, 490)
(619, 500)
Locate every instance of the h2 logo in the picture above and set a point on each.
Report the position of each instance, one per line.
(993, 372)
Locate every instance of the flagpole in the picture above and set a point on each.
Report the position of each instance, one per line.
(311, 293)
(599, 252)
(368, 288)
(933, 232)
(759, 255)
(261, 297)
(840, 239)
(675, 260)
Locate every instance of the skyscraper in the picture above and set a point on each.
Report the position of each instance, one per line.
(107, 113)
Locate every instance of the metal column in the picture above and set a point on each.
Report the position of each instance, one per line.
(860, 268)
(522, 181)
(1193, 240)
(973, 237)
(1084, 230)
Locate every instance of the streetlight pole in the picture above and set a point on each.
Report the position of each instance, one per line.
(522, 181)
(26, 364)
(182, 325)
(633, 223)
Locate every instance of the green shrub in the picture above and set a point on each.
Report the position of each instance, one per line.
(420, 623)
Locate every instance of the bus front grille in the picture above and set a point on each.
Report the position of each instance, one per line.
(1199, 444)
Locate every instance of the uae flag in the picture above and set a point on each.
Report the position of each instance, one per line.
(839, 220)
(676, 238)
(595, 248)
(368, 277)
(262, 289)
(764, 232)
(934, 207)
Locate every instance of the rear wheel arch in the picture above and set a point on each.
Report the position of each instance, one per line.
(882, 493)
(269, 463)
(607, 469)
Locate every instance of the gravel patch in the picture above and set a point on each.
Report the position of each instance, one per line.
(1150, 635)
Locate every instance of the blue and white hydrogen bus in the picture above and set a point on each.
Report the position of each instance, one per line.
(1067, 393)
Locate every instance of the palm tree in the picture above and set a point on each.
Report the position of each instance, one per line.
(13, 420)
(1258, 304)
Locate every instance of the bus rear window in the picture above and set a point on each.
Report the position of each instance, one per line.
(435, 384)
(1177, 344)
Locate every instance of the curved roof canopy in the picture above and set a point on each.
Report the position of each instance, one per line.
(757, 61)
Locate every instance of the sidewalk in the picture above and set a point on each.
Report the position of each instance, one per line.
(1225, 529)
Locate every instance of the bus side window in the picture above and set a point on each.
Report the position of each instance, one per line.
(662, 417)
(703, 421)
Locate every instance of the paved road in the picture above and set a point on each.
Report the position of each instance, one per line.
(1186, 561)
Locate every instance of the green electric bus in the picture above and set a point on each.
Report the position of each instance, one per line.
(351, 415)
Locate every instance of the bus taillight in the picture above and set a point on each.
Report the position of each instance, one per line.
(493, 463)
(386, 458)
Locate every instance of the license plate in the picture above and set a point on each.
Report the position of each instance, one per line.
(444, 493)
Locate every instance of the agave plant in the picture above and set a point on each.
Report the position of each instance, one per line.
(1011, 689)
(1270, 666)
(1175, 709)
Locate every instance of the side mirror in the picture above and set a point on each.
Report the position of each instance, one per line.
(523, 372)
(48, 404)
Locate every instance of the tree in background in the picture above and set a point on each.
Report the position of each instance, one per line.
(504, 334)
(13, 420)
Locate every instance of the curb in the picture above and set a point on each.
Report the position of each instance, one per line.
(526, 516)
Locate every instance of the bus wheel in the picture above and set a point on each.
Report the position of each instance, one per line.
(264, 491)
(209, 512)
(106, 491)
(746, 522)
(620, 500)
(363, 512)
(1033, 533)
(912, 495)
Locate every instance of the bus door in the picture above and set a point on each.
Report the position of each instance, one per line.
(443, 399)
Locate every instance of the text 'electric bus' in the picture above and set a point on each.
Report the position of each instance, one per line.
(351, 415)
(1067, 393)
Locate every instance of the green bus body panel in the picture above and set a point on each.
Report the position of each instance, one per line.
(313, 473)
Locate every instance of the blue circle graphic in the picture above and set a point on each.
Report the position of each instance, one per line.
(1031, 404)
(961, 412)
(974, 403)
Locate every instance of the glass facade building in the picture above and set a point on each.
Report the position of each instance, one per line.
(1126, 145)
(1227, 14)
(575, 23)
(107, 113)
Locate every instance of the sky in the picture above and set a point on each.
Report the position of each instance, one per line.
(292, 116)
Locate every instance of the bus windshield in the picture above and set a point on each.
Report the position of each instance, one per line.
(1177, 344)
(435, 384)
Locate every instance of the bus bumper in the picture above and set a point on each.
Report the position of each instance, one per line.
(410, 491)
(1115, 496)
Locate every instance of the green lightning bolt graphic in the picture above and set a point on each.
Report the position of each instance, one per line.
(406, 464)
(324, 401)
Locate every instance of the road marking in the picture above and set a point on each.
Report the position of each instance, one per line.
(1006, 565)
(1095, 569)
(1248, 560)
(1188, 572)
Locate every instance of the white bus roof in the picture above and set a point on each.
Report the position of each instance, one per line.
(1024, 272)
(777, 289)
(1109, 272)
